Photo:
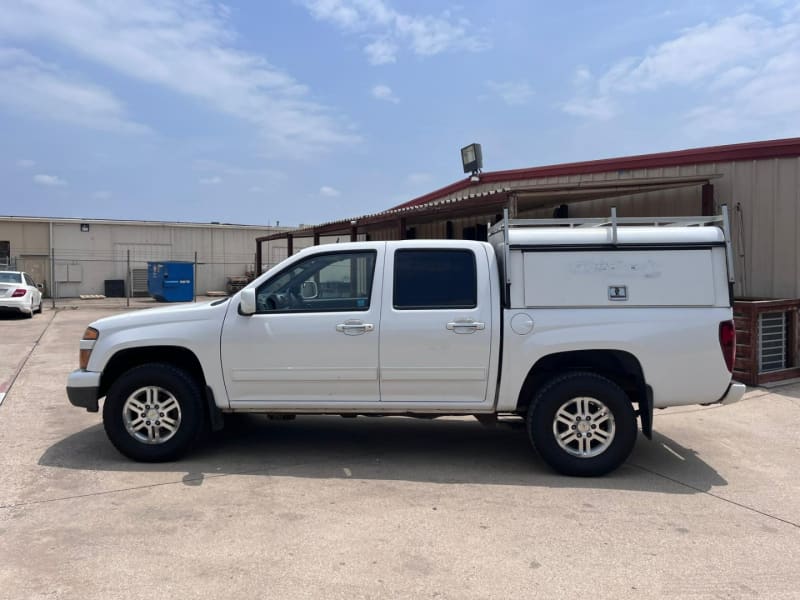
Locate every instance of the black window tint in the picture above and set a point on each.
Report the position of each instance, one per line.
(435, 279)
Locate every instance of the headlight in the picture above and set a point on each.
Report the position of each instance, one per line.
(87, 344)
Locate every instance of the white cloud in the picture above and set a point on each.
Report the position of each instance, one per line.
(215, 166)
(601, 107)
(213, 180)
(31, 87)
(582, 76)
(187, 47)
(381, 52)
(742, 70)
(384, 92)
(329, 192)
(102, 195)
(25, 163)
(49, 180)
(419, 178)
(513, 93)
(386, 30)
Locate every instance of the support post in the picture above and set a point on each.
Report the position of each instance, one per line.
(401, 232)
(129, 281)
(289, 244)
(194, 278)
(353, 233)
(52, 270)
(316, 237)
(258, 258)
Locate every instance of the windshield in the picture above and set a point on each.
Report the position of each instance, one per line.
(10, 277)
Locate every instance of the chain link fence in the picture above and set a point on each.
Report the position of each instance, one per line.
(72, 278)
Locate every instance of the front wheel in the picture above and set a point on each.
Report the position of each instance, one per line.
(582, 424)
(153, 412)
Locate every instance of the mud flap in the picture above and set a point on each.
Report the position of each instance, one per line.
(646, 412)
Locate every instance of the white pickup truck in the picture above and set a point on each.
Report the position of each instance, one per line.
(576, 326)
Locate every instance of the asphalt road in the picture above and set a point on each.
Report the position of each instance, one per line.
(325, 507)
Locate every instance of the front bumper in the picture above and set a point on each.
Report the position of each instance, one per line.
(82, 389)
(734, 394)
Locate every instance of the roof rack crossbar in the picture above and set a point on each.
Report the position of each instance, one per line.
(609, 221)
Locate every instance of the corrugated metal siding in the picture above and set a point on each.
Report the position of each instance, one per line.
(26, 238)
(102, 251)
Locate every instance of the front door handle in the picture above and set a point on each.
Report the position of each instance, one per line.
(354, 327)
(466, 326)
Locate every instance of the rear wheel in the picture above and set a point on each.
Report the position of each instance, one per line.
(29, 314)
(153, 413)
(582, 424)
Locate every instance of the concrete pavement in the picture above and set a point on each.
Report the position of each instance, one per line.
(324, 507)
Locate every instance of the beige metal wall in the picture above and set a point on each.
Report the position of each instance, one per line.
(101, 253)
(30, 248)
(26, 238)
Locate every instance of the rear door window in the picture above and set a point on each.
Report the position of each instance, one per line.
(435, 279)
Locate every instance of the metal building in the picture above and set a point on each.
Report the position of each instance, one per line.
(73, 257)
(759, 181)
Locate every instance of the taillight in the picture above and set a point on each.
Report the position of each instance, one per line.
(19, 293)
(727, 342)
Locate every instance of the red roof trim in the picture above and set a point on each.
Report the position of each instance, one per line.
(712, 154)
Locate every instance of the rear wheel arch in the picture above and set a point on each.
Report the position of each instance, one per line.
(621, 367)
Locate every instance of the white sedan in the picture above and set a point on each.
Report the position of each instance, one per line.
(19, 293)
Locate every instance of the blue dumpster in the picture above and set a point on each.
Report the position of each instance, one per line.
(171, 281)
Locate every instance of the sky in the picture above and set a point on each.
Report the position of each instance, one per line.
(304, 111)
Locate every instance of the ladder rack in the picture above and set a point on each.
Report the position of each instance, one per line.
(613, 221)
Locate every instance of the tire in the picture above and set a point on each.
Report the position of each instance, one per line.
(153, 413)
(582, 424)
(29, 314)
(39, 310)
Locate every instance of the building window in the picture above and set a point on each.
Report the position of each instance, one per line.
(5, 253)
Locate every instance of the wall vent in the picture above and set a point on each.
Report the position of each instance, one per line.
(139, 282)
(773, 348)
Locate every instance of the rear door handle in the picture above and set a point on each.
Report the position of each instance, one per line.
(354, 327)
(467, 326)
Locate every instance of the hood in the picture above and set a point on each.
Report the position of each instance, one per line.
(168, 314)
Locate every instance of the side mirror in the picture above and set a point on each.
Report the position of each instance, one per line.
(247, 301)
(40, 286)
(309, 290)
